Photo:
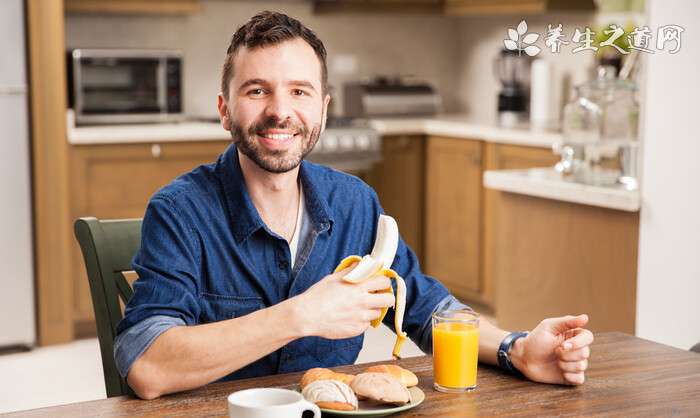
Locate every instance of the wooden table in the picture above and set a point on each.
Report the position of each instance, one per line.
(628, 376)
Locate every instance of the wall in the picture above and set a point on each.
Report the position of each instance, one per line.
(668, 290)
(454, 53)
(386, 43)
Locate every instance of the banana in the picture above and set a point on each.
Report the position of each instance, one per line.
(378, 262)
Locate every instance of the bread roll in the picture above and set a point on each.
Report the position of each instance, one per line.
(319, 373)
(405, 376)
(380, 387)
(330, 394)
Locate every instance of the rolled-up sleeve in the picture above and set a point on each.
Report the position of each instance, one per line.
(134, 341)
(165, 293)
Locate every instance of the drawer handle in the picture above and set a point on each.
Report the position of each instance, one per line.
(155, 150)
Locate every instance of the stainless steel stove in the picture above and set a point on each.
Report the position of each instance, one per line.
(349, 145)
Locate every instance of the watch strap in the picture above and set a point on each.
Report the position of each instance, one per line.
(503, 357)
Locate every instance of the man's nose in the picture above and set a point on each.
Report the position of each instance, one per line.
(279, 107)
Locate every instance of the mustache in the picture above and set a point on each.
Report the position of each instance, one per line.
(274, 123)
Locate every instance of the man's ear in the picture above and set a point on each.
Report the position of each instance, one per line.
(223, 112)
(324, 115)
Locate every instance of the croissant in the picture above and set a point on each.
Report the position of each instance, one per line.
(330, 394)
(405, 376)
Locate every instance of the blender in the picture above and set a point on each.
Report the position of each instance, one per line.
(512, 69)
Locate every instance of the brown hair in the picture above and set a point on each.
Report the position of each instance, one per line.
(271, 28)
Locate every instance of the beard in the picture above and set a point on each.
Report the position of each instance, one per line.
(274, 161)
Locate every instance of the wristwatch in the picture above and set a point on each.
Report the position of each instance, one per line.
(503, 350)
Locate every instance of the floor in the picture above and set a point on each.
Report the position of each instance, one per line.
(73, 372)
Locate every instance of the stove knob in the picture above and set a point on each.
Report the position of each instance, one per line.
(347, 142)
(363, 142)
(330, 143)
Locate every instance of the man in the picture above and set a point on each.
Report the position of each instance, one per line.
(235, 259)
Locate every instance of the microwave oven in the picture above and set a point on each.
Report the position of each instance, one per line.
(108, 86)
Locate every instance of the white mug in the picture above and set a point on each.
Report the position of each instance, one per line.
(269, 403)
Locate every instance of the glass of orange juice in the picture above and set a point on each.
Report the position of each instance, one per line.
(455, 350)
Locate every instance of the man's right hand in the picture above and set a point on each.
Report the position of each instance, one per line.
(333, 308)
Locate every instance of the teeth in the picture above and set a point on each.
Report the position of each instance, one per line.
(279, 137)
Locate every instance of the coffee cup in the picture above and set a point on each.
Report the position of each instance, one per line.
(269, 403)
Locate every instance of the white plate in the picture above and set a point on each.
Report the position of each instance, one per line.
(371, 410)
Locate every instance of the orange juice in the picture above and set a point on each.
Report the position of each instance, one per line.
(455, 354)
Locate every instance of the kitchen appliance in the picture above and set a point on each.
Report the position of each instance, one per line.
(384, 96)
(601, 125)
(512, 68)
(107, 86)
(17, 315)
(349, 145)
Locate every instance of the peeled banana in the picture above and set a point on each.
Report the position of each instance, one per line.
(378, 262)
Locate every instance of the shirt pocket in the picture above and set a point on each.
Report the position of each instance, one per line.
(221, 307)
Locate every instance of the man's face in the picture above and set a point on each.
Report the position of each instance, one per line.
(276, 108)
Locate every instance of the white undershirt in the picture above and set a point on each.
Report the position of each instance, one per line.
(294, 242)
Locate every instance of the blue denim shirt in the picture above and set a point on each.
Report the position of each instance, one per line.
(207, 256)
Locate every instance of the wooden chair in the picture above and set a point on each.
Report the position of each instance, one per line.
(108, 247)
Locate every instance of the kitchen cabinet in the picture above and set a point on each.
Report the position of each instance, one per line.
(399, 183)
(556, 258)
(343, 6)
(453, 214)
(514, 7)
(503, 157)
(117, 181)
(144, 7)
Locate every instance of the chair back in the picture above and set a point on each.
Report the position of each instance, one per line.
(108, 247)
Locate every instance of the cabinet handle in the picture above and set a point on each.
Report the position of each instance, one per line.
(155, 150)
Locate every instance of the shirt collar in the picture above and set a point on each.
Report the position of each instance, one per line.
(245, 217)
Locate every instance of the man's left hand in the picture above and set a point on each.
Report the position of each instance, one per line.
(556, 351)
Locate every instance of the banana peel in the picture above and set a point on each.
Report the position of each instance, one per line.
(399, 306)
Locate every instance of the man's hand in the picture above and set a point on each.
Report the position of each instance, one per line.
(335, 309)
(556, 351)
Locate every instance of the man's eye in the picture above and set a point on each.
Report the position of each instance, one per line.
(299, 92)
(256, 92)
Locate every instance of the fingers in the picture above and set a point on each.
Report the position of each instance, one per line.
(573, 366)
(574, 355)
(380, 300)
(581, 338)
(344, 271)
(376, 283)
(373, 314)
(574, 378)
(564, 323)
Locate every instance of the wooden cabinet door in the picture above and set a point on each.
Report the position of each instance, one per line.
(453, 214)
(117, 181)
(503, 157)
(399, 183)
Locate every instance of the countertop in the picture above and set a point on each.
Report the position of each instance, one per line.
(458, 126)
(547, 183)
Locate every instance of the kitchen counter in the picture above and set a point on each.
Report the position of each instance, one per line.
(461, 126)
(458, 126)
(547, 183)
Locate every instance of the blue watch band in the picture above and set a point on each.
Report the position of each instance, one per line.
(503, 350)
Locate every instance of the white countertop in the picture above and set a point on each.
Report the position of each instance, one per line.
(448, 125)
(547, 183)
(461, 126)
